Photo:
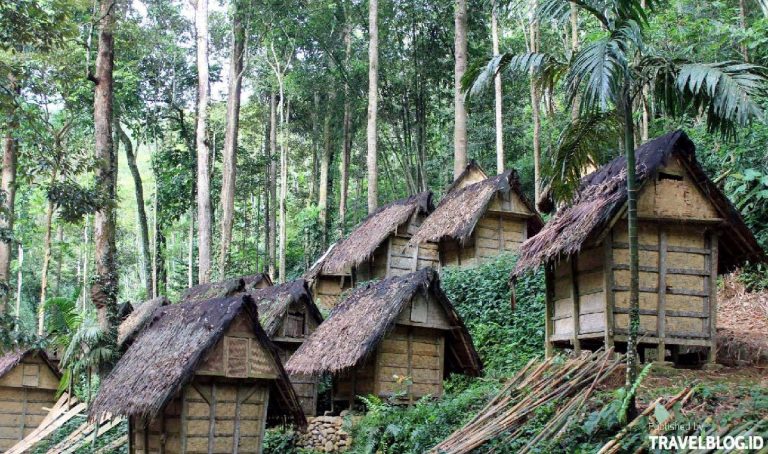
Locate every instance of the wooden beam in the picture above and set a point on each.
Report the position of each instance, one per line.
(549, 280)
(712, 300)
(212, 418)
(184, 419)
(576, 304)
(661, 309)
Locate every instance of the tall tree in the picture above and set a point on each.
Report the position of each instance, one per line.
(141, 212)
(373, 100)
(325, 163)
(498, 96)
(8, 196)
(104, 287)
(272, 185)
(229, 154)
(533, 45)
(460, 67)
(346, 147)
(201, 144)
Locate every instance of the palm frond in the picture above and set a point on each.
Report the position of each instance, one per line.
(545, 68)
(764, 6)
(557, 11)
(584, 144)
(723, 92)
(596, 72)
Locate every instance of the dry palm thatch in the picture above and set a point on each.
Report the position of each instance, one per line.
(359, 245)
(274, 302)
(166, 355)
(602, 195)
(138, 319)
(359, 323)
(224, 288)
(457, 214)
(12, 359)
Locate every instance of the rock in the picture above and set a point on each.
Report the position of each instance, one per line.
(328, 447)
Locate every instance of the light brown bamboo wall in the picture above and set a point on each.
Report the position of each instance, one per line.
(208, 416)
(287, 344)
(327, 289)
(24, 393)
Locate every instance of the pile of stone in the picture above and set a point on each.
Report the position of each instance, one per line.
(325, 434)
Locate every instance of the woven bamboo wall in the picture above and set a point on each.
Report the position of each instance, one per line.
(24, 393)
(209, 416)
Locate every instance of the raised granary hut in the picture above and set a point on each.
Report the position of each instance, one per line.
(226, 288)
(479, 220)
(202, 377)
(28, 383)
(289, 317)
(688, 232)
(376, 249)
(400, 336)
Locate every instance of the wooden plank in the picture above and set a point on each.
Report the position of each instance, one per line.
(549, 304)
(575, 299)
(661, 319)
(712, 300)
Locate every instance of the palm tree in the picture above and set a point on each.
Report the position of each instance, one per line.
(607, 75)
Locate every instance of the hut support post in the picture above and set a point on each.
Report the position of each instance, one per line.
(608, 287)
(576, 303)
(713, 259)
(549, 279)
(661, 309)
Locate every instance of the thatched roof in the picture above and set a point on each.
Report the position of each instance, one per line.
(166, 355)
(602, 195)
(138, 319)
(360, 244)
(359, 323)
(224, 288)
(457, 214)
(274, 302)
(12, 359)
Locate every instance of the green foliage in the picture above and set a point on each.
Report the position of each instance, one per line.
(11, 337)
(280, 441)
(628, 396)
(75, 201)
(505, 338)
(394, 429)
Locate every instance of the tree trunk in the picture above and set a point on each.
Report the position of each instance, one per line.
(19, 276)
(373, 100)
(141, 213)
(230, 139)
(59, 257)
(347, 136)
(743, 24)
(85, 264)
(460, 67)
(535, 109)
(634, 261)
(203, 154)
(325, 163)
(313, 184)
(46, 264)
(497, 91)
(574, 48)
(285, 112)
(271, 233)
(104, 288)
(8, 189)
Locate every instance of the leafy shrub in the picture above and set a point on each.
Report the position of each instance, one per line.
(505, 338)
(389, 428)
(280, 441)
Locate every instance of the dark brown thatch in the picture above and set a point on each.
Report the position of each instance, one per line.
(225, 288)
(457, 214)
(274, 302)
(138, 319)
(359, 245)
(359, 323)
(12, 359)
(602, 196)
(165, 356)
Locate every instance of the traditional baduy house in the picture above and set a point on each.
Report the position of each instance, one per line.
(479, 218)
(28, 383)
(137, 320)
(289, 317)
(202, 377)
(377, 248)
(400, 336)
(688, 233)
(226, 287)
